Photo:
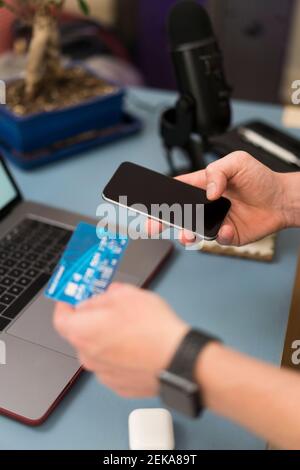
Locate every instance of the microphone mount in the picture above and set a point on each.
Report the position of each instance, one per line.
(177, 129)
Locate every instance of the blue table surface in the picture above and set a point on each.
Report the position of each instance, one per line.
(246, 303)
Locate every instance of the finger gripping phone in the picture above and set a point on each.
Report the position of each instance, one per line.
(166, 200)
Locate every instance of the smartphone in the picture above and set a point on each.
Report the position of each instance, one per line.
(151, 194)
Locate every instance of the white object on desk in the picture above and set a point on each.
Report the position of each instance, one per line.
(291, 116)
(151, 429)
(262, 250)
(264, 143)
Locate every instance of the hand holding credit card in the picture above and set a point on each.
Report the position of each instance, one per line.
(87, 266)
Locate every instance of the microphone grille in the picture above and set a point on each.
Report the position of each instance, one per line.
(188, 22)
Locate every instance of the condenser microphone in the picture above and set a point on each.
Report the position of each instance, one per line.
(199, 67)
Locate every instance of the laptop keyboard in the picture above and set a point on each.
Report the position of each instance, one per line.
(28, 255)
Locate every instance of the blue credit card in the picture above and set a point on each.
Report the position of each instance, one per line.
(87, 266)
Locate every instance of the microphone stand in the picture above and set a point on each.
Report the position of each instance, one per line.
(177, 129)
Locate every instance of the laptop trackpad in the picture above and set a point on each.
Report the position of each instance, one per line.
(36, 323)
(36, 326)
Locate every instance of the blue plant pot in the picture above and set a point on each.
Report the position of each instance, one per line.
(31, 132)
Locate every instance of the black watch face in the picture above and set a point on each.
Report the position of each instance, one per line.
(180, 394)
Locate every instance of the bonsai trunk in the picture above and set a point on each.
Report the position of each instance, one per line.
(44, 53)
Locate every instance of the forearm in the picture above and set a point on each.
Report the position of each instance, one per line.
(291, 199)
(258, 396)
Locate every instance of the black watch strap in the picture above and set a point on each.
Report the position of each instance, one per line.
(178, 387)
(184, 361)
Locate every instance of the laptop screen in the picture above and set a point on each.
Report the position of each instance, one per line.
(8, 191)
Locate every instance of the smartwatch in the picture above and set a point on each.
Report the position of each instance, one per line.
(178, 388)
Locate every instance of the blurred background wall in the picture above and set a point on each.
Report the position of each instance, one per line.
(6, 19)
(255, 40)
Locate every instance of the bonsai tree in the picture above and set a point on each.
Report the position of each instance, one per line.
(54, 107)
(44, 58)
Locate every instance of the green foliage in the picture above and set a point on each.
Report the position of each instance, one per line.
(3, 4)
(84, 7)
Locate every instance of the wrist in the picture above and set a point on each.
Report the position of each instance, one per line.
(206, 364)
(180, 387)
(290, 195)
(169, 344)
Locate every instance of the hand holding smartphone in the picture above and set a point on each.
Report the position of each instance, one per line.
(152, 194)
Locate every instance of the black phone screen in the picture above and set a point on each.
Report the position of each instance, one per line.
(141, 186)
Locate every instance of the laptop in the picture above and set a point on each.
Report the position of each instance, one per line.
(39, 366)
